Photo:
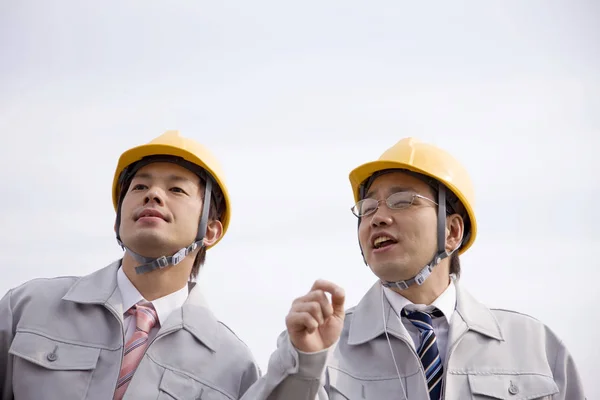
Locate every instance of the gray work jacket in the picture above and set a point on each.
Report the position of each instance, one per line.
(492, 354)
(62, 338)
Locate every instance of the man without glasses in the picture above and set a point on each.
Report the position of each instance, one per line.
(136, 329)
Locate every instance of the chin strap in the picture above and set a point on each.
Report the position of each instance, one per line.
(441, 252)
(149, 264)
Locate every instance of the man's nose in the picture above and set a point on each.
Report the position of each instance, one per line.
(153, 195)
(381, 217)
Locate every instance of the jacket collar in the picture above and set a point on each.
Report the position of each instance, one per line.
(197, 318)
(475, 315)
(367, 317)
(100, 287)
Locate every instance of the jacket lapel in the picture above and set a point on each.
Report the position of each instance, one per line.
(99, 287)
(471, 315)
(196, 318)
(369, 315)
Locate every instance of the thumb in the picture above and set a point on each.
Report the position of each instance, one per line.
(337, 302)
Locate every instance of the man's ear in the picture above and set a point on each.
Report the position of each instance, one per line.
(455, 229)
(214, 231)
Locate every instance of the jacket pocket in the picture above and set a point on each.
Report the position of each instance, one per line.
(515, 386)
(342, 386)
(177, 386)
(45, 368)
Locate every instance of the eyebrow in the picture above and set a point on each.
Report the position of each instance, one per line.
(394, 189)
(171, 178)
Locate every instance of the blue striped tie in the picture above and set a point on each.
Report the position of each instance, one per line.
(428, 350)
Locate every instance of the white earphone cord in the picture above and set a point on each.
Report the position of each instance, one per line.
(390, 344)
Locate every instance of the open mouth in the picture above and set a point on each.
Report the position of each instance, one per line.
(382, 242)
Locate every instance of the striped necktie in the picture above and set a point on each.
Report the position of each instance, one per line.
(135, 348)
(428, 350)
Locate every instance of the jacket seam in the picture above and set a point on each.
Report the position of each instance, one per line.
(192, 377)
(72, 278)
(508, 311)
(235, 335)
(556, 358)
(7, 379)
(87, 389)
(10, 311)
(373, 379)
(74, 342)
(495, 372)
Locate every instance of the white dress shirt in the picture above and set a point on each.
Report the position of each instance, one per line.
(164, 306)
(446, 303)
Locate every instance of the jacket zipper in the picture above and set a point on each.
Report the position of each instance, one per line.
(412, 346)
(416, 357)
(114, 313)
(450, 351)
(158, 336)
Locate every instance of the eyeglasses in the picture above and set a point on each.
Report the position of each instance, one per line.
(396, 201)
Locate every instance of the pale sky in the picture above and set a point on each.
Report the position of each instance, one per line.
(291, 97)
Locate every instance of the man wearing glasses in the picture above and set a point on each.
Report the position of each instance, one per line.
(417, 333)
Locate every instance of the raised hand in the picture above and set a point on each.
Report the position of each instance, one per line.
(314, 323)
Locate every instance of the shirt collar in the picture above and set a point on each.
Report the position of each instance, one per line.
(446, 302)
(164, 306)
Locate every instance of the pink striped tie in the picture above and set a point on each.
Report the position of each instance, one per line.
(136, 346)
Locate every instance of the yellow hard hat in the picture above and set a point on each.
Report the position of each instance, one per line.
(171, 143)
(413, 155)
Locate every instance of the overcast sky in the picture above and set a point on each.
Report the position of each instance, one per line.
(291, 97)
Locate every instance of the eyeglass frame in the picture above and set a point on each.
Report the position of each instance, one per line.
(386, 200)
